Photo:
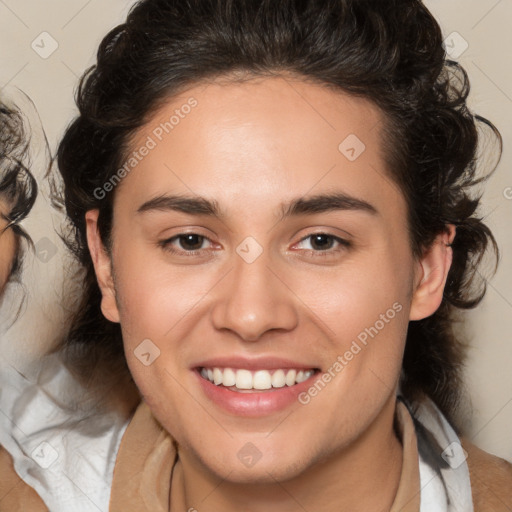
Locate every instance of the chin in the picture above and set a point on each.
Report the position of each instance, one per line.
(263, 474)
(250, 466)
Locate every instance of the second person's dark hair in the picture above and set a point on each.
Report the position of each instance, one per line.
(18, 187)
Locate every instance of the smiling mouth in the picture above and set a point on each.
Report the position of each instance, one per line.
(247, 381)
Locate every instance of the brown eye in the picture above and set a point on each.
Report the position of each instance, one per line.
(321, 242)
(187, 244)
(323, 245)
(191, 242)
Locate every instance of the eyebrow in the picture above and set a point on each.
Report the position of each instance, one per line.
(195, 205)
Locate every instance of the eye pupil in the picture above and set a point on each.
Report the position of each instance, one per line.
(321, 241)
(191, 242)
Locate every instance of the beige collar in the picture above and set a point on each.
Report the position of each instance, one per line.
(147, 456)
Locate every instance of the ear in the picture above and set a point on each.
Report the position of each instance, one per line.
(102, 267)
(431, 275)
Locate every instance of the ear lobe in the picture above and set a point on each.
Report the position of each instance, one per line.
(102, 267)
(433, 272)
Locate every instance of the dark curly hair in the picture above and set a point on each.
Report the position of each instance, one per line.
(18, 187)
(390, 53)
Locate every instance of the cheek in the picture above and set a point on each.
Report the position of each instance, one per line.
(355, 295)
(364, 313)
(157, 305)
(152, 295)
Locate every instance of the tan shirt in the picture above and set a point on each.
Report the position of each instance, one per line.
(147, 464)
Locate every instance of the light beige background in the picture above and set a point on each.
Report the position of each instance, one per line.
(77, 27)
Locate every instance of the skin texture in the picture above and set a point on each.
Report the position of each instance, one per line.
(250, 147)
(8, 246)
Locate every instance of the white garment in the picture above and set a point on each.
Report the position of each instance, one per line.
(444, 475)
(61, 445)
(40, 421)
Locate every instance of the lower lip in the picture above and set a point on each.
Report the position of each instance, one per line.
(253, 403)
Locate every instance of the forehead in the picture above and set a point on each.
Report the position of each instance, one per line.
(262, 138)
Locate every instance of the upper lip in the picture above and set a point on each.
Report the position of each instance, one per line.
(254, 363)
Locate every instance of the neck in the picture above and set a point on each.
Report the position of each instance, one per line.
(364, 476)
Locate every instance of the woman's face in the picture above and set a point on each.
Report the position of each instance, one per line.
(8, 245)
(259, 241)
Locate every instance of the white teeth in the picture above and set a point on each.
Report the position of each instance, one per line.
(278, 379)
(243, 379)
(260, 379)
(217, 376)
(229, 377)
(290, 377)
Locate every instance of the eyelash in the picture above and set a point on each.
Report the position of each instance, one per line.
(167, 245)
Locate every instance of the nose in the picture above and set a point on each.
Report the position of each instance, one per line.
(254, 300)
